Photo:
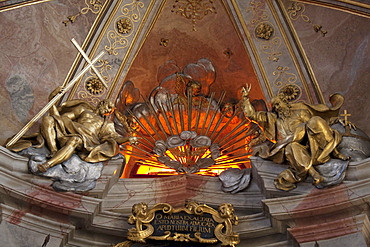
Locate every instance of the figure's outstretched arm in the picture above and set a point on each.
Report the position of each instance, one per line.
(245, 91)
(124, 121)
(245, 104)
(133, 140)
(54, 110)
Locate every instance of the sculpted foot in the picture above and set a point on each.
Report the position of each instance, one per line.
(43, 167)
(339, 155)
(317, 178)
(285, 180)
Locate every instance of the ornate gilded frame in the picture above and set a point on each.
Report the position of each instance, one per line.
(144, 220)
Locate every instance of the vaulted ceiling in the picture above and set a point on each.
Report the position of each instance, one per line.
(308, 49)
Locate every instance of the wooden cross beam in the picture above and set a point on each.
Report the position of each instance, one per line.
(60, 94)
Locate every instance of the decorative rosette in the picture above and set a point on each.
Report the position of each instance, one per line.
(201, 141)
(160, 148)
(175, 141)
(188, 135)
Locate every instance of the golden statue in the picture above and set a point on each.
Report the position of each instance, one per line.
(76, 126)
(299, 134)
(129, 123)
(192, 87)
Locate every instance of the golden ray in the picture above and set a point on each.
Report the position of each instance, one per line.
(215, 112)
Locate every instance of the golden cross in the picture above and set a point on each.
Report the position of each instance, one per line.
(345, 115)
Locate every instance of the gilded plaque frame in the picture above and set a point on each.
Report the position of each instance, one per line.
(143, 218)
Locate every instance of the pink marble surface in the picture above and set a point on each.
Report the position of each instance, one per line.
(311, 215)
(35, 57)
(327, 230)
(339, 60)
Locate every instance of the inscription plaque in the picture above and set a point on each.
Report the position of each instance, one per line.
(184, 223)
(192, 223)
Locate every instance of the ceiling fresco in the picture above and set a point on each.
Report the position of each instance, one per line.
(245, 41)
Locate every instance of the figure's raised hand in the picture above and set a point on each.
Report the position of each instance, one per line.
(246, 90)
(56, 91)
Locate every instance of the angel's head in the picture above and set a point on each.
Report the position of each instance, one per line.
(194, 87)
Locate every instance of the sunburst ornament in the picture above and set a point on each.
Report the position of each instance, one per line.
(124, 26)
(179, 138)
(94, 86)
(291, 92)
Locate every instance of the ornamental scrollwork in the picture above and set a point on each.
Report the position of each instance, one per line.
(124, 26)
(94, 6)
(93, 86)
(264, 30)
(92, 83)
(285, 81)
(259, 14)
(84, 95)
(283, 76)
(272, 48)
(296, 11)
(194, 9)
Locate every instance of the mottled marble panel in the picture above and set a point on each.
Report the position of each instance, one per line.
(339, 60)
(35, 57)
(14, 235)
